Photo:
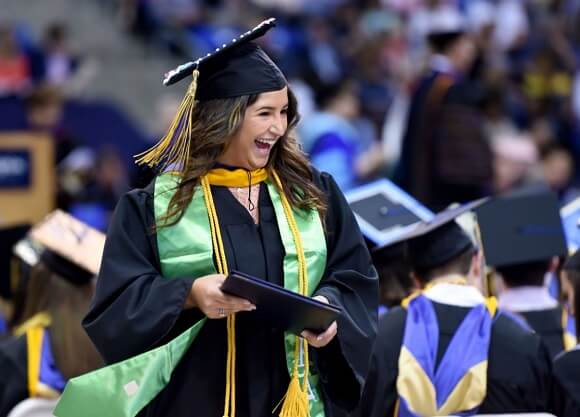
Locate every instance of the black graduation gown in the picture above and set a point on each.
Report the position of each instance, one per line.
(445, 157)
(567, 382)
(519, 367)
(13, 373)
(135, 309)
(547, 324)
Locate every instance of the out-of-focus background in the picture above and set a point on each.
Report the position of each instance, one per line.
(84, 77)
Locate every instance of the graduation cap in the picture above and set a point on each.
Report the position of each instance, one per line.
(444, 27)
(570, 214)
(9, 237)
(433, 243)
(235, 69)
(521, 228)
(71, 248)
(384, 212)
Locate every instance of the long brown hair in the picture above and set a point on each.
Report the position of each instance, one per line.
(67, 304)
(215, 122)
(31, 298)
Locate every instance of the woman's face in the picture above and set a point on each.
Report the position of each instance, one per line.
(265, 121)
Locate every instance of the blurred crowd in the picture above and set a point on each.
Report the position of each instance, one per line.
(355, 67)
(38, 77)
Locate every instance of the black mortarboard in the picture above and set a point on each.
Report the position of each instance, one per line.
(441, 41)
(384, 211)
(71, 248)
(521, 228)
(9, 236)
(235, 69)
(433, 243)
(444, 28)
(228, 67)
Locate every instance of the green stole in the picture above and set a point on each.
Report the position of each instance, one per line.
(185, 249)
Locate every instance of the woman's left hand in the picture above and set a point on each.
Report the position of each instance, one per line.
(324, 338)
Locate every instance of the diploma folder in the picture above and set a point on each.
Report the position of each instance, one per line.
(279, 306)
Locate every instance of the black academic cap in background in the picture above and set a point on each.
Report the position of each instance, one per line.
(441, 41)
(521, 228)
(9, 236)
(72, 249)
(384, 211)
(436, 242)
(235, 69)
(443, 28)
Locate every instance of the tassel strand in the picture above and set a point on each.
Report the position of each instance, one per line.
(172, 151)
(218, 245)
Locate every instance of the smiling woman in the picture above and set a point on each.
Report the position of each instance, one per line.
(234, 191)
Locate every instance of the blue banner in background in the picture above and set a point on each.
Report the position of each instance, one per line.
(15, 169)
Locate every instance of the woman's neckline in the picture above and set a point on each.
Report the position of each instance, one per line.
(228, 167)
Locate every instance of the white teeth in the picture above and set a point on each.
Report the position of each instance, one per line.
(266, 142)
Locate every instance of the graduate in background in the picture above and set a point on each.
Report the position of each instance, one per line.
(239, 195)
(385, 212)
(445, 155)
(447, 350)
(55, 349)
(567, 364)
(522, 234)
(395, 281)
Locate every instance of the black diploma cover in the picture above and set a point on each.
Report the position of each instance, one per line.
(279, 306)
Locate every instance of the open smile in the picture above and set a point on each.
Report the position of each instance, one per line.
(264, 145)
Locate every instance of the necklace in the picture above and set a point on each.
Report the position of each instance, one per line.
(246, 197)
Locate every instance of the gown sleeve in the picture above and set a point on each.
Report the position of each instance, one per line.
(13, 382)
(380, 396)
(134, 307)
(350, 281)
(566, 395)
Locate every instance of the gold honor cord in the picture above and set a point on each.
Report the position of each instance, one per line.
(295, 402)
(218, 246)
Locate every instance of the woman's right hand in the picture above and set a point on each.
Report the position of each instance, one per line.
(206, 294)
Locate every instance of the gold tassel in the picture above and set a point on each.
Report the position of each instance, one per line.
(296, 400)
(173, 149)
